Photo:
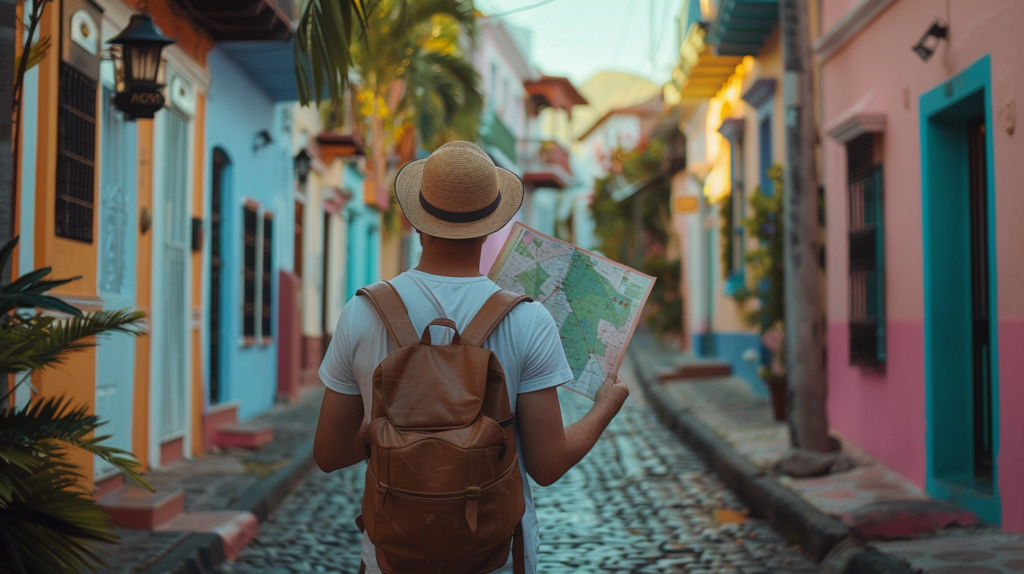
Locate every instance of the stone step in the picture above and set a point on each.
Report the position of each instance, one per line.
(132, 506)
(235, 528)
(696, 369)
(243, 435)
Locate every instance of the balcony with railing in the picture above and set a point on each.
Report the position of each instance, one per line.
(497, 137)
(545, 164)
(243, 20)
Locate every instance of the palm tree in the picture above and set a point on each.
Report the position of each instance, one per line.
(48, 522)
(412, 73)
(7, 31)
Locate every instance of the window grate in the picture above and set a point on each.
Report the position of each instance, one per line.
(250, 221)
(267, 294)
(76, 155)
(866, 253)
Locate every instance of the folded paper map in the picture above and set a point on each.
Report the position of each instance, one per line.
(595, 301)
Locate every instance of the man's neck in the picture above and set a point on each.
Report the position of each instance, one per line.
(450, 259)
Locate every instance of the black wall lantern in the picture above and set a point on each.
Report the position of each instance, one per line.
(141, 44)
(303, 165)
(928, 43)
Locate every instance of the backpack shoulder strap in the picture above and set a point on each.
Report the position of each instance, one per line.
(392, 311)
(490, 315)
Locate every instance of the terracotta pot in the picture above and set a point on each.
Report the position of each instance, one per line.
(778, 390)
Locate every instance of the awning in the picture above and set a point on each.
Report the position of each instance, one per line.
(700, 74)
(741, 26)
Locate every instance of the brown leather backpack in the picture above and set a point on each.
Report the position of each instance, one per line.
(443, 489)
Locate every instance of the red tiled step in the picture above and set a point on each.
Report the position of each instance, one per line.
(236, 529)
(696, 370)
(243, 435)
(135, 507)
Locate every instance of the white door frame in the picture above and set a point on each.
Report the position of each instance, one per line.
(184, 104)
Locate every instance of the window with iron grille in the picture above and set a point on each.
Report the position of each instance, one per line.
(250, 220)
(267, 278)
(867, 253)
(76, 155)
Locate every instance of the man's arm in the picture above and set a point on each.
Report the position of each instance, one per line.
(550, 449)
(339, 432)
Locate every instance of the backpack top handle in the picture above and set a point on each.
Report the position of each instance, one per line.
(490, 315)
(392, 311)
(425, 339)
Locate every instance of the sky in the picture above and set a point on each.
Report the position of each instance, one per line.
(577, 38)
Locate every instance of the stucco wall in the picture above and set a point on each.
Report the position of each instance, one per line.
(238, 110)
(884, 412)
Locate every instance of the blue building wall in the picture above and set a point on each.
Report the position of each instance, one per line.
(238, 109)
(730, 347)
(364, 236)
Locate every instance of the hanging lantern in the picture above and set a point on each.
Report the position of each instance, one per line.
(141, 44)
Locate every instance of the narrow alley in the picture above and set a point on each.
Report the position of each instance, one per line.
(639, 502)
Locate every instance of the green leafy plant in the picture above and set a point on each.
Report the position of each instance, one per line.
(765, 271)
(48, 521)
(637, 230)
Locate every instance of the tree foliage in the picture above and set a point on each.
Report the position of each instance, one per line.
(48, 522)
(637, 230)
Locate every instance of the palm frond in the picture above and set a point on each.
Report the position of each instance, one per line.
(46, 340)
(27, 291)
(49, 424)
(323, 44)
(51, 521)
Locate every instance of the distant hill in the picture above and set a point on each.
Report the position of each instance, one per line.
(608, 91)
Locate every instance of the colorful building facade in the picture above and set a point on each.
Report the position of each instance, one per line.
(923, 313)
(728, 84)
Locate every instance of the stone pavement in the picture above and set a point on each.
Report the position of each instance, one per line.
(871, 503)
(235, 479)
(639, 502)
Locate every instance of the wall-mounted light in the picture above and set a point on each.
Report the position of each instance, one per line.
(303, 165)
(141, 44)
(263, 139)
(928, 43)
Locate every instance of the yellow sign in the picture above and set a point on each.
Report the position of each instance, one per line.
(686, 204)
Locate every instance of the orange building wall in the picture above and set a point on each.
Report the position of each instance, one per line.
(76, 377)
(143, 292)
(198, 177)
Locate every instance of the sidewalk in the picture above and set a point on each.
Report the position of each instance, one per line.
(236, 486)
(869, 519)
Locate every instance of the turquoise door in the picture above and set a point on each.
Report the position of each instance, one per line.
(961, 342)
(115, 356)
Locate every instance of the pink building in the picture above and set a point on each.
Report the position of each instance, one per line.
(921, 170)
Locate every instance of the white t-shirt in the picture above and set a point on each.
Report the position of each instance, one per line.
(526, 343)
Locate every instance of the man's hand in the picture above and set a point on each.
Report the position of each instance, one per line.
(549, 449)
(612, 394)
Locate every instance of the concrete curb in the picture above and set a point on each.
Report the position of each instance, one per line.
(817, 532)
(200, 553)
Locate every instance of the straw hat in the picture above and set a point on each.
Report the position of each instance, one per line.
(458, 193)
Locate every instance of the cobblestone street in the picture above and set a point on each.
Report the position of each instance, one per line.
(639, 502)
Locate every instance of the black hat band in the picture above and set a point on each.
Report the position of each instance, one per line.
(459, 216)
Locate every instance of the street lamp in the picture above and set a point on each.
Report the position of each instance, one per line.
(141, 44)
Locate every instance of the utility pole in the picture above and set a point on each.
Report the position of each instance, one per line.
(8, 38)
(805, 333)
